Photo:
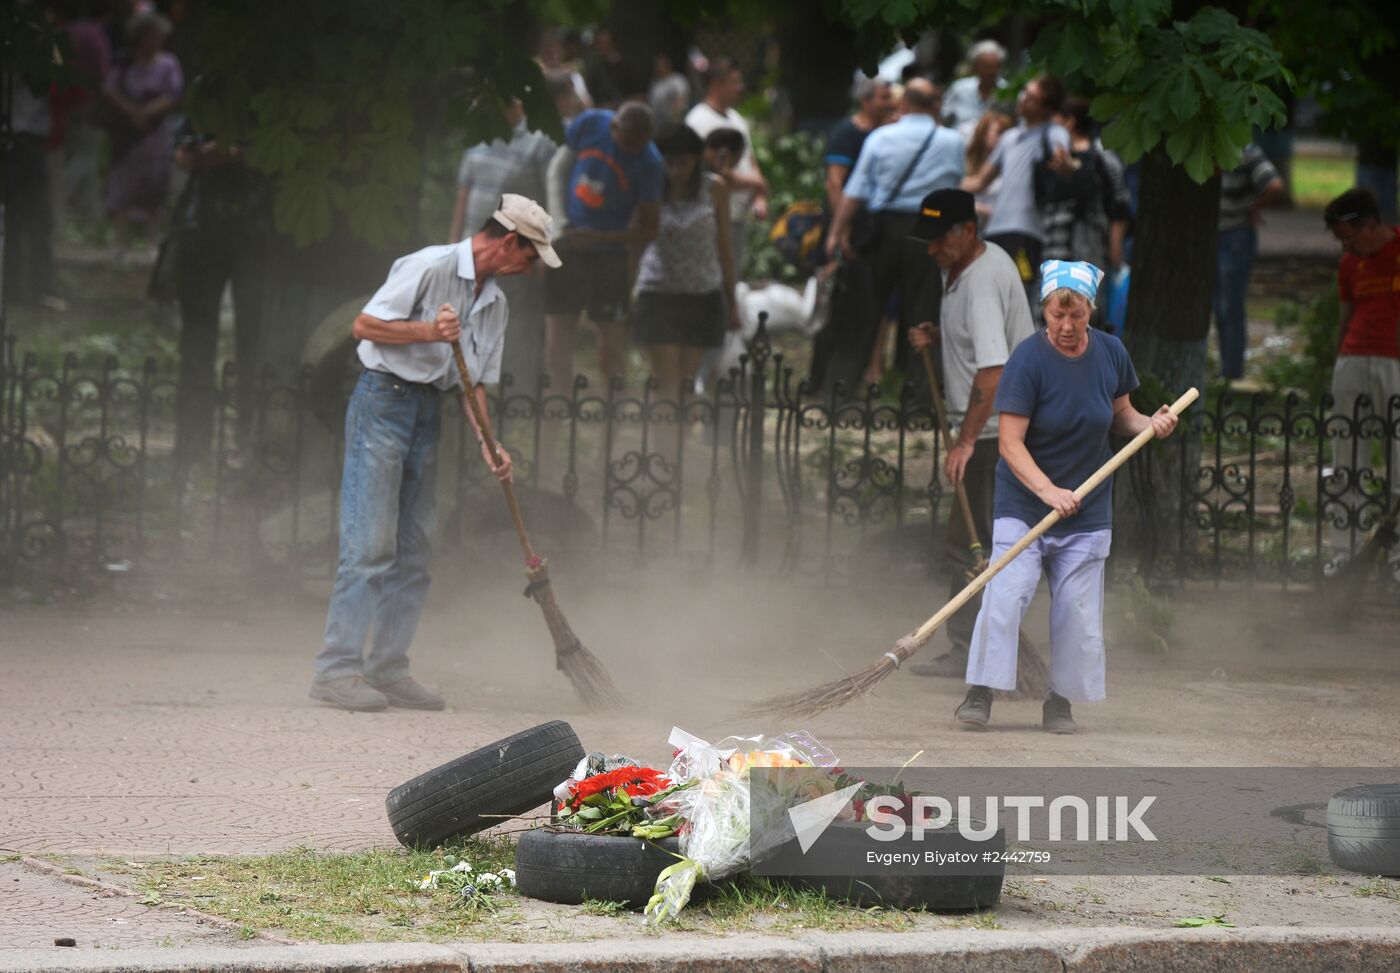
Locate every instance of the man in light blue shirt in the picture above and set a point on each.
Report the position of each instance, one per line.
(899, 165)
(387, 503)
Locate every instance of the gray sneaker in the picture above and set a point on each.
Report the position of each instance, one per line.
(946, 666)
(976, 708)
(349, 692)
(1055, 715)
(409, 693)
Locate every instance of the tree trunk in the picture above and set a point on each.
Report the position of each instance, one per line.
(1173, 272)
(1168, 325)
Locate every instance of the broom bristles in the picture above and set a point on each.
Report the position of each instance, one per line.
(1032, 678)
(590, 680)
(839, 692)
(1031, 682)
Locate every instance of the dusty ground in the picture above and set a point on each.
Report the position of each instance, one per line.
(176, 722)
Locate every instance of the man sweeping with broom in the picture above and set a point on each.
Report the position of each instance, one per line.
(984, 316)
(407, 334)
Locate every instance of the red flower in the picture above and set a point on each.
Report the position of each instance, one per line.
(632, 781)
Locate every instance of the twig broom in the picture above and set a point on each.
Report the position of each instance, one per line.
(1339, 590)
(571, 656)
(842, 691)
(1032, 677)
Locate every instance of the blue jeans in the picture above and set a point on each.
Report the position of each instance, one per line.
(388, 512)
(1234, 261)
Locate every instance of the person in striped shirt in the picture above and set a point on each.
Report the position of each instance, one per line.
(1244, 192)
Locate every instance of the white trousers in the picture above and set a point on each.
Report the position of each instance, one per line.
(1378, 379)
(1074, 564)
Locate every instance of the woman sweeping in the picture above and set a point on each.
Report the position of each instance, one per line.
(1061, 394)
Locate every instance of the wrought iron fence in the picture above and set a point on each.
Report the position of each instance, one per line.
(1259, 489)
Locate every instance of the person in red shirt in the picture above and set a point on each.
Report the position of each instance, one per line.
(1368, 362)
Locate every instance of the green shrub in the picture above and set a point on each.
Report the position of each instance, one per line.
(793, 167)
(1307, 370)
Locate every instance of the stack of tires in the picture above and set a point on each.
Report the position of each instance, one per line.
(512, 776)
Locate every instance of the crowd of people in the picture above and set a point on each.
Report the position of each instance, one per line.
(654, 191)
(95, 153)
(963, 236)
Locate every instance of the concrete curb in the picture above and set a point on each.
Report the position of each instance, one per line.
(1277, 949)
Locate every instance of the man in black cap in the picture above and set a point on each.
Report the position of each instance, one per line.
(983, 315)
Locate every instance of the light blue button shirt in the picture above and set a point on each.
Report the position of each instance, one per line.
(417, 286)
(887, 153)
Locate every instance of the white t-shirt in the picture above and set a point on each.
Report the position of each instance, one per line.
(703, 120)
(417, 286)
(985, 315)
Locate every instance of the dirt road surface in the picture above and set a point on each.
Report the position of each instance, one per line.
(176, 721)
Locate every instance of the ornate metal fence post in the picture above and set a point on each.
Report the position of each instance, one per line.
(760, 350)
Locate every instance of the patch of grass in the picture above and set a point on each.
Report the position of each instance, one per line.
(1017, 890)
(371, 897)
(604, 907)
(751, 902)
(332, 898)
(1379, 888)
(1318, 180)
(985, 920)
(1303, 861)
(5, 859)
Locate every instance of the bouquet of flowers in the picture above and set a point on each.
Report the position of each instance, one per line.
(626, 800)
(712, 792)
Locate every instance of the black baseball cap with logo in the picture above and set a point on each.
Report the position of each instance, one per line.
(942, 210)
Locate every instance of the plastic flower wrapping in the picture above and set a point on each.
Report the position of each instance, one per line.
(716, 799)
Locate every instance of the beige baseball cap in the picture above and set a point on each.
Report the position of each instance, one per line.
(528, 218)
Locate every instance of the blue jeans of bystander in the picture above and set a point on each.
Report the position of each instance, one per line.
(388, 512)
(1235, 253)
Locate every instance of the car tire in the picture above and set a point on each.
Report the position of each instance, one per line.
(571, 867)
(1363, 829)
(467, 795)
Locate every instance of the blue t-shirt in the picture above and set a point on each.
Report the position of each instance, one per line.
(1070, 405)
(606, 185)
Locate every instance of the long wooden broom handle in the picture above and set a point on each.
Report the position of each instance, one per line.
(922, 633)
(974, 543)
(485, 429)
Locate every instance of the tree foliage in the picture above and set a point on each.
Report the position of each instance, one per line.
(1198, 84)
(1345, 55)
(333, 98)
